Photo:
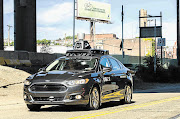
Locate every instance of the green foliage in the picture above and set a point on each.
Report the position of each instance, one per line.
(71, 37)
(5, 44)
(146, 72)
(43, 42)
(12, 44)
(69, 45)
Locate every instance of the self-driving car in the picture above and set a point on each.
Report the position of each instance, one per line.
(86, 77)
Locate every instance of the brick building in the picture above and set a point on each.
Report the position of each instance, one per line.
(131, 46)
(143, 22)
(112, 43)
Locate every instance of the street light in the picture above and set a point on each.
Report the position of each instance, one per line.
(9, 28)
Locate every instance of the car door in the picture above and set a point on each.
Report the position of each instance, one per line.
(106, 82)
(118, 77)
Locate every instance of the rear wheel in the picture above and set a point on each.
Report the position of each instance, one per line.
(34, 107)
(127, 95)
(94, 100)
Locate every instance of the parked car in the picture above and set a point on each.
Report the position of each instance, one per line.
(83, 77)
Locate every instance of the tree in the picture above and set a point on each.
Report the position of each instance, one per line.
(71, 37)
(44, 42)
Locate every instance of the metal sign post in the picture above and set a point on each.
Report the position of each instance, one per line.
(122, 36)
(1, 26)
(155, 47)
(74, 23)
(178, 34)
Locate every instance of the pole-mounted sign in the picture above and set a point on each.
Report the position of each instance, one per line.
(161, 42)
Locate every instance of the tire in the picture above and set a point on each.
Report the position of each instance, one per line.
(127, 95)
(94, 99)
(34, 107)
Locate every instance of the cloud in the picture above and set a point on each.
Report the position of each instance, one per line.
(170, 32)
(53, 33)
(130, 29)
(8, 6)
(55, 14)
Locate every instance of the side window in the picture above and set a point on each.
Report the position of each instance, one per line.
(115, 64)
(104, 62)
(121, 65)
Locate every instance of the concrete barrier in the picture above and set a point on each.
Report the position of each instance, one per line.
(2, 61)
(25, 62)
(23, 55)
(48, 58)
(9, 54)
(36, 58)
(12, 62)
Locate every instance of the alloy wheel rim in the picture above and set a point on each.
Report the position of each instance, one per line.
(128, 94)
(95, 98)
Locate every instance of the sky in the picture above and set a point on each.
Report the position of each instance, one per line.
(55, 18)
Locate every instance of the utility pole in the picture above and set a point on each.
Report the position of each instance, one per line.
(122, 36)
(74, 22)
(178, 34)
(1, 26)
(139, 39)
(155, 47)
(161, 37)
(9, 28)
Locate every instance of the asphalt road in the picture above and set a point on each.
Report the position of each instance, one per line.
(158, 103)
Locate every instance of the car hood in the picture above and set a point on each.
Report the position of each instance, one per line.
(59, 76)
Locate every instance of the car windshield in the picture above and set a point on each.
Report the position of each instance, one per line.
(72, 64)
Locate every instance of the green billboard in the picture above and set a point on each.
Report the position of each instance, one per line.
(93, 9)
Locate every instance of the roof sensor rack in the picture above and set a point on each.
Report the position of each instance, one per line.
(82, 45)
(83, 49)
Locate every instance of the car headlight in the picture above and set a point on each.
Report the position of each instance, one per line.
(77, 82)
(27, 82)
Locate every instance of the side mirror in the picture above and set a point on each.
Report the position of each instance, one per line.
(131, 72)
(107, 69)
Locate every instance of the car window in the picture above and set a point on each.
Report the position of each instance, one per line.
(104, 62)
(72, 64)
(115, 64)
(121, 65)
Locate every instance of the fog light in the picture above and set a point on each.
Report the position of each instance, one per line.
(78, 97)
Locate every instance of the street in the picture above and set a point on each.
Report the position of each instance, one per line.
(161, 102)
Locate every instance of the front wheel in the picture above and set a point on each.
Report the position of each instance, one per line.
(34, 107)
(94, 99)
(127, 95)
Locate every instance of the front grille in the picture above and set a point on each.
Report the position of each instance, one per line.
(48, 87)
(47, 99)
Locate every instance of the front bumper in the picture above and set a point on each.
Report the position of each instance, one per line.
(58, 98)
